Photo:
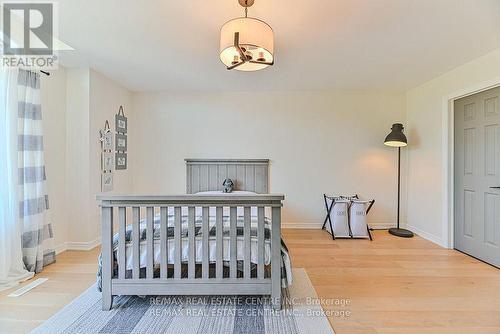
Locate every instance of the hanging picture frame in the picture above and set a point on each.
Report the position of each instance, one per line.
(121, 161)
(107, 161)
(106, 137)
(121, 121)
(121, 142)
(106, 181)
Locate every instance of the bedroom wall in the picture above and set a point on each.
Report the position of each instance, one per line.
(75, 103)
(53, 100)
(317, 142)
(77, 148)
(106, 96)
(426, 203)
(92, 99)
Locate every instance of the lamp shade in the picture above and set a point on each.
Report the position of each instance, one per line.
(396, 138)
(256, 39)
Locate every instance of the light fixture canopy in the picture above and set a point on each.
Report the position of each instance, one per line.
(246, 43)
(396, 138)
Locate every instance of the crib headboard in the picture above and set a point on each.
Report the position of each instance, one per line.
(208, 174)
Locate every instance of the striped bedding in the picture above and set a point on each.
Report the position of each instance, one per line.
(286, 272)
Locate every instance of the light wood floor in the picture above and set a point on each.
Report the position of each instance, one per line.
(393, 285)
(396, 285)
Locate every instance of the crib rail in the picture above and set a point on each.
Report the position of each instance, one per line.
(129, 206)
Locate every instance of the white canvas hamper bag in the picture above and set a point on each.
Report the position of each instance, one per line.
(339, 218)
(357, 212)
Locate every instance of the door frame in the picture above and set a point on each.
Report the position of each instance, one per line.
(448, 155)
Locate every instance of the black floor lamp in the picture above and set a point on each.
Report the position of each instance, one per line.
(398, 139)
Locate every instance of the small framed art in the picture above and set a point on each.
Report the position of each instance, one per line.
(106, 182)
(121, 121)
(107, 161)
(121, 142)
(121, 161)
(106, 137)
(107, 140)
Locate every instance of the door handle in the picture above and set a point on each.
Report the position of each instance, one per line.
(495, 187)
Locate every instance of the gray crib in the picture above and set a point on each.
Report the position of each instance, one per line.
(202, 175)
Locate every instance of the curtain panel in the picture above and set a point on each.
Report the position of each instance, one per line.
(37, 237)
(12, 268)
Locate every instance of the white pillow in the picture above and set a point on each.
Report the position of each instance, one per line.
(235, 192)
(226, 210)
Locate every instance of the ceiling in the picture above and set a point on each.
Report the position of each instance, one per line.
(390, 45)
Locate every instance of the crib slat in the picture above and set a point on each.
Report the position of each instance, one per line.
(192, 254)
(260, 242)
(276, 257)
(136, 257)
(232, 242)
(121, 242)
(177, 242)
(163, 242)
(247, 245)
(204, 245)
(149, 242)
(218, 233)
(107, 257)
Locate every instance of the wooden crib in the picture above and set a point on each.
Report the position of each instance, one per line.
(202, 175)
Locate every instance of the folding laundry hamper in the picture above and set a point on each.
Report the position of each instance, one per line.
(337, 219)
(357, 218)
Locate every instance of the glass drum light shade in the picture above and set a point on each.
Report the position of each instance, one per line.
(396, 138)
(256, 37)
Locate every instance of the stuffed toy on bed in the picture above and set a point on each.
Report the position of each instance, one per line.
(228, 185)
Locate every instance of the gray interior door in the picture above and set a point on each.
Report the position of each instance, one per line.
(477, 175)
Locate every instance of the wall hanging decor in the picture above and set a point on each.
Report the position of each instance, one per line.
(121, 125)
(106, 181)
(107, 161)
(121, 121)
(121, 142)
(106, 138)
(121, 161)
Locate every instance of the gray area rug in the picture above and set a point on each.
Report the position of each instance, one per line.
(193, 314)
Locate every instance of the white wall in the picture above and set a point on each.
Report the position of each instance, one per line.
(317, 142)
(76, 103)
(77, 153)
(106, 96)
(53, 100)
(426, 182)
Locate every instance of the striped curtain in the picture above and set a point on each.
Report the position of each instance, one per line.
(37, 236)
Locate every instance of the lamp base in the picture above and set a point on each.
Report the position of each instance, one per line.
(401, 232)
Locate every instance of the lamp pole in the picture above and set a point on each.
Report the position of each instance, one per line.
(397, 139)
(399, 180)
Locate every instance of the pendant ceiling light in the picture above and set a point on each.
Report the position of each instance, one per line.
(246, 43)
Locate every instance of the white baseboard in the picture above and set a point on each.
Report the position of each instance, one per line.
(314, 225)
(60, 248)
(432, 238)
(78, 246)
